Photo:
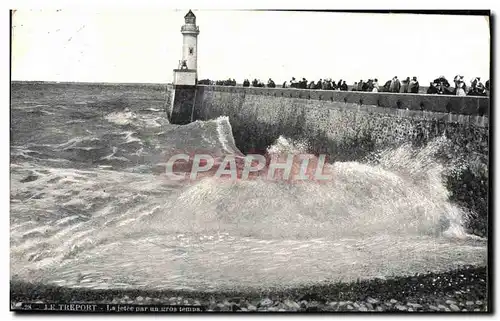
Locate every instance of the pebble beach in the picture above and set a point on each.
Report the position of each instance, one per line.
(462, 290)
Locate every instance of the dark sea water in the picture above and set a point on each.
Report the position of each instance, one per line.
(91, 206)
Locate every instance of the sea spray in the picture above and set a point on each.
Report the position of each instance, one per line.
(75, 223)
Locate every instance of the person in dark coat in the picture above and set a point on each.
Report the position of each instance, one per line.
(327, 85)
(432, 90)
(303, 83)
(443, 86)
(442, 81)
(344, 86)
(319, 84)
(446, 89)
(477, 88)
(387, 86)
(369, 85)
(365, 85)
(337, 85)
(414, 86)
(361, 83)
(246, 83)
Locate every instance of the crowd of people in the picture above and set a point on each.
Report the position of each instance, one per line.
(440, 86)
(258, 83)
(371, 85)
(394, 85)
(324, 84)
(228, 82)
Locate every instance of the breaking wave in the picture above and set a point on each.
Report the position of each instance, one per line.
(135, 228)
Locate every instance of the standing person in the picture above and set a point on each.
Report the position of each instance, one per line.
(477, 87)
(366, 86)
(344, 86)
(414, 86)
(303, 83)
(395, 85)
(327, 84)
(375, 86)
(456, 80)
(387, 86)
(369, 85)
(460, 89)
(406, 85)
(459, 86)
(442, 85)
(473, 83)
(360, 85)
(480, 89)
(442, 80)
(319, 84)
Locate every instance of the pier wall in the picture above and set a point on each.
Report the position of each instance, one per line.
(328, 118)
(349, 126)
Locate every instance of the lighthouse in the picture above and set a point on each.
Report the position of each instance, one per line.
(186, 74)
(181, 100)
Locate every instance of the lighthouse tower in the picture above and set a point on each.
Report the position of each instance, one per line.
(186, 74)
(181, 99)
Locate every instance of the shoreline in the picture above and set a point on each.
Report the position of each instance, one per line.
(463, 289)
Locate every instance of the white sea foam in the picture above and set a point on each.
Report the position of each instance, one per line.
(121, 118)
(223, 132)
(385, 217)
(129, 137)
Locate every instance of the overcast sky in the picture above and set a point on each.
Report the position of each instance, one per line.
(143, 45)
